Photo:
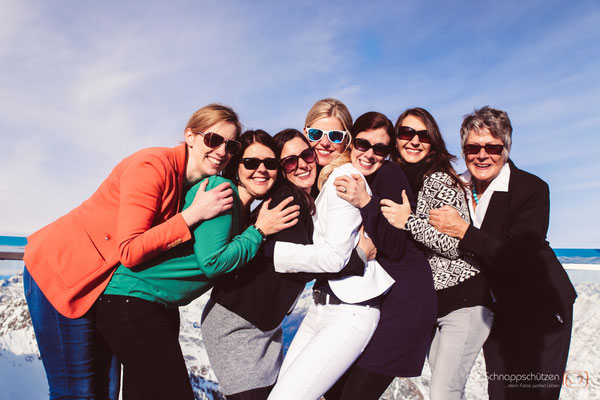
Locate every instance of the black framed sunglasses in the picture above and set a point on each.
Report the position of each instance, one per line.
(214, 140)
(379, 149)
(491, 149)
(252, 163)
(407, 133)
(334, 136)
(290, 163)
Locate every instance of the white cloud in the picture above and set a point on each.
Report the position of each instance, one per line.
(85, 84)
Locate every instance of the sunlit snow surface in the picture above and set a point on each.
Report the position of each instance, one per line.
(22, 376)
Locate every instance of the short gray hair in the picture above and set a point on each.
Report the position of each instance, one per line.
(491, 119)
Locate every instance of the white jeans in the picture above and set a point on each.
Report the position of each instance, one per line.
(458, 339)
(329, 340)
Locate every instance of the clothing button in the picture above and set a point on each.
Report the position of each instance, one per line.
(107, 236)
(174, 243)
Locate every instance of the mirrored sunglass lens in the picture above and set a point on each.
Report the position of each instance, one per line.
(315, 134)
(336, 136)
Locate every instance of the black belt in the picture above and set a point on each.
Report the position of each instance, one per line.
(324, 298)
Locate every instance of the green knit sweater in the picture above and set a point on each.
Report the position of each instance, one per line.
(185, 272)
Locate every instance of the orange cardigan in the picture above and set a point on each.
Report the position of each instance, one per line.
(132, 217)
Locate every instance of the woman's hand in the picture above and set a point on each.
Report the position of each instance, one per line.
(278, 218)
(447, 220)
(208, 204)
(396, 214)
(366, 245)
(352, 189)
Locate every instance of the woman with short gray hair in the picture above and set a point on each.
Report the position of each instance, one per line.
(533, 295)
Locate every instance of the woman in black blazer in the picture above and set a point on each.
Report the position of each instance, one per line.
(526, 352)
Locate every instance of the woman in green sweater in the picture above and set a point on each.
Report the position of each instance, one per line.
(137, 314)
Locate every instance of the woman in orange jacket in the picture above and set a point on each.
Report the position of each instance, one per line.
(134, 216)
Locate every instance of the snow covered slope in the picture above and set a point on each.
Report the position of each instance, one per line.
(22, 376)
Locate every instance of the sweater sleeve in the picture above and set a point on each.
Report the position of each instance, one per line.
(141, 189)
(436, 192)
(217, 248)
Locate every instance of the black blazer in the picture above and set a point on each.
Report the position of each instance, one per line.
(525, 276)
(262, 296)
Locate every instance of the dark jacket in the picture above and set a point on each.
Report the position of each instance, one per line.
(259, 294)
(526, 277)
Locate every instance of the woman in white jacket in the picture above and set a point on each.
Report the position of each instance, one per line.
(345, 313)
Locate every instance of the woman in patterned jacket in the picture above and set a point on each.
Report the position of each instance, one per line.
(464, 315)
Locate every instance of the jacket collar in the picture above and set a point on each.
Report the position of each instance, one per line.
(180, 154)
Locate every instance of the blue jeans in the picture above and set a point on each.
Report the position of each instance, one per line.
(78, 363)
(459, 337)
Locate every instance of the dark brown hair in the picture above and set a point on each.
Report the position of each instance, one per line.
(247, 139)
(438, 159)
(281, 139)
(373, 120)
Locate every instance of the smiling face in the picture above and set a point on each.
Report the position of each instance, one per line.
(367, 162)
(203, 160)
(303, 177)
(483, 167)
(255, 183)
(326, 151)
(413, 151)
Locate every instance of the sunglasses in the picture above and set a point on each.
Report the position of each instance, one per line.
(379, 149)
(491, 149)
(314, 135)
(290, 163)
(407, 133)
(214, 140)
(253, 163)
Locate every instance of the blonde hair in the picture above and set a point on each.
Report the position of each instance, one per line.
(329, 108)
(326, 108)
(341, 159)
(211, 115)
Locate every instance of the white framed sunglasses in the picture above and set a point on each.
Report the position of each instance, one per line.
(334, 136)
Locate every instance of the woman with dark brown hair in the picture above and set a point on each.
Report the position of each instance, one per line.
(464, 316)
(401, 340)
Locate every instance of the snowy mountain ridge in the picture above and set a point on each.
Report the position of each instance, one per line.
(22, 375)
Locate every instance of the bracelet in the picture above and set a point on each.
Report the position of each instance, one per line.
(264, 237)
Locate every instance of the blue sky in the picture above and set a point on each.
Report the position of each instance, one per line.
(84, 84)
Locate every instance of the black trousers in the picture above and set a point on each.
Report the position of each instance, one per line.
(526, 358)
(145, 337)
